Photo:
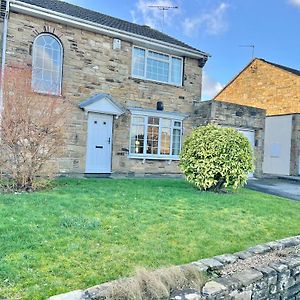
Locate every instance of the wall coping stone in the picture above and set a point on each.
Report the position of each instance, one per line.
(213, 288)
(211, 263)
(248, 276)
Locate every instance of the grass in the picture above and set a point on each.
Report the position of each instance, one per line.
(85, 232)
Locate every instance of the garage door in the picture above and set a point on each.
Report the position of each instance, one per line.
(277, 148)
(250, 135)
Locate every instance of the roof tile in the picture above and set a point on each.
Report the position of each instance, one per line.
(105, 20)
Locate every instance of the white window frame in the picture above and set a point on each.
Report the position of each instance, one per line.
(145, 64)
(145, 115)
(61, 64)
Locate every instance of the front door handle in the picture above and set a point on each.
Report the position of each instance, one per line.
(99, 147)
(108, 141)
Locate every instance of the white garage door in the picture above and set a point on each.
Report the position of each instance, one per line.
(250, 135)
(277, 148)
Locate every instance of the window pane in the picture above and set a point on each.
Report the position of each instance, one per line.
(176, 71)
(137, 120)
(56, 55)
(40, 41)
(177, 124)
(153, 121)
(138, 62)
(165, 141)
(152, 140)
(47, 75)
(176, 141)
(165, 123)
(157, 70)
(137, 139)
(154, 55)
(46, 65)
(48, 40)
(38, 62)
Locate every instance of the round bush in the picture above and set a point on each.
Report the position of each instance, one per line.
(215, 157)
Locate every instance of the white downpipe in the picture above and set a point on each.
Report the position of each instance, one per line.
(4, 43)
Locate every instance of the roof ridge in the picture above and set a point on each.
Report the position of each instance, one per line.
(95, 11)
(288, 69)
(100, 18)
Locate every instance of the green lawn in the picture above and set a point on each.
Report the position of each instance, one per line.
(84, 232)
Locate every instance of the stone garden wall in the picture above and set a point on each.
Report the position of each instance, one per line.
(265, 272)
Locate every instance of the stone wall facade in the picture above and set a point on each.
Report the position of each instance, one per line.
(249, 278)
(236, 116)
(91, 66)
(266, 86)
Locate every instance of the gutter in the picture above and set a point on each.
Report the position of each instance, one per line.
(4, 43)
(39, 12)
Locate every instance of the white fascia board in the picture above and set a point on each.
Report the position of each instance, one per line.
(39, 12)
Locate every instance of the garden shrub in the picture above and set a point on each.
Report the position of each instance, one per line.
(157, 284)
(32, 133)
(215, 157)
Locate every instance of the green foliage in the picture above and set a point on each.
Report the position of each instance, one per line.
(49, 245)
(214, 157)
(79, 222)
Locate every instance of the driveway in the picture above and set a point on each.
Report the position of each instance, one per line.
(280, 187)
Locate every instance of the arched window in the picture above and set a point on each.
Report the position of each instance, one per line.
(47, 64)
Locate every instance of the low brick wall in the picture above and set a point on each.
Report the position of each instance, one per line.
(278, 279)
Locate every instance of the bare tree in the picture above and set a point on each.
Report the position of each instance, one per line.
(32, 130)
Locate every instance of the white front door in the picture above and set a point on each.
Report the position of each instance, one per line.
(99, 142)
(250, 135)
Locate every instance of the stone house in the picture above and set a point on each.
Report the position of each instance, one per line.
(135, 91)
(265, 85)
(133, 88)
(276, 89)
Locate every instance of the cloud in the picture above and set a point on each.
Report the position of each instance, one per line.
(151, 16)
(211, 22)
(295, 2)
(210, 87)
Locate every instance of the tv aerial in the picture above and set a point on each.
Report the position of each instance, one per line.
(163, 9)
(249, 46)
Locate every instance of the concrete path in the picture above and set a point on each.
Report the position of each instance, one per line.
(280, 187)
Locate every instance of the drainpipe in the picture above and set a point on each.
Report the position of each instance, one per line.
(4, 42)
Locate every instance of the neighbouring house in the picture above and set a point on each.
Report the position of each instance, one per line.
(265, 85)
(276, 89)
(133, 88)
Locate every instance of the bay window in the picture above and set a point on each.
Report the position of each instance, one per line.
(155, 136)
(151, 65)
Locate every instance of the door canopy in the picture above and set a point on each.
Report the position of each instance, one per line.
(103, 104)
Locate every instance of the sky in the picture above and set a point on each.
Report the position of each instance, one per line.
(222, 28)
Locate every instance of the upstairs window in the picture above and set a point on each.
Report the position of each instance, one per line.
(151, 65)
(47, 64)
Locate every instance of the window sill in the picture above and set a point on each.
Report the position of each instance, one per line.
(48, 94)
(154, 81)
(149, 157)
